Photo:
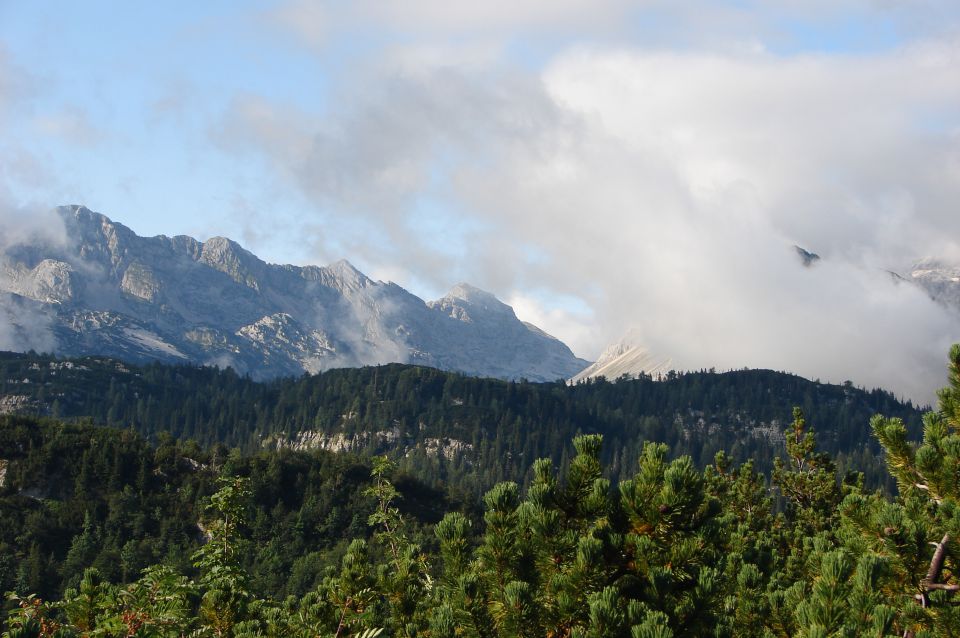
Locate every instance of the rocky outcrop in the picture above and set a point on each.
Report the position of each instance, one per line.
(139, 281)
(19, 404)
(377, 441)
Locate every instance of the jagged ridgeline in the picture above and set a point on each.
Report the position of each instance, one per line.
(94, 287)
(465, 432)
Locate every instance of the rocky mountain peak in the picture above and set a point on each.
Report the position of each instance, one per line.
(346, 277)
(82, 215)
(99, 239)
(230, 258)
(91, 226)
(467, 303)
(465, 292)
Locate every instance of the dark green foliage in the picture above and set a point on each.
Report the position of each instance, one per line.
(669, 550)
(807, 480)
(77, 496)
(402, 410)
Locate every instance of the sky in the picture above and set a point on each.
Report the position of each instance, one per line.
(601, 165)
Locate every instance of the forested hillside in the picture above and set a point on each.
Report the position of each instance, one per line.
(671, 551)
(453, 429)
(77, 496)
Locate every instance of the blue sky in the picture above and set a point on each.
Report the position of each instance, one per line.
(120, 99)
(547, 151)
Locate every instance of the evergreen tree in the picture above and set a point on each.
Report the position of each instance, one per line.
(226, 596)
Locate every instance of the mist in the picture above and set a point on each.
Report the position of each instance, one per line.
(24, 324)
(28, 225)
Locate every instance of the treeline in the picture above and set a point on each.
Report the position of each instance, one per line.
(456, 430)
(671, 551)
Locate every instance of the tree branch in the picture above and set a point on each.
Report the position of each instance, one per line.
(936, 563)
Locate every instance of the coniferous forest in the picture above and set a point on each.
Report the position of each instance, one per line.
(146, 532)
(458, 433)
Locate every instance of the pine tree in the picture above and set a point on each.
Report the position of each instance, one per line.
(919, 533)
(403, 577)
(226, 595)
(671, 540)
(808, 479)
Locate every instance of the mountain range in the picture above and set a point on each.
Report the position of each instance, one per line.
(102, 289)
(105, 290)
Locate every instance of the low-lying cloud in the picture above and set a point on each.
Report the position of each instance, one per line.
(24, 324)
(28, 225)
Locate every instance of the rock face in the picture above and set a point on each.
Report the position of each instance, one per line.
(111, 292)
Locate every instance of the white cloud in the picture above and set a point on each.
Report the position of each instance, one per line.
(17, 88)
(832, 152)
(662, 190)
(24, 326)
(309, 20)
(27, 224)
(573, 324)
(695, 173)
(315, 21)
(742, 26)
(70, 124)
(436, 15)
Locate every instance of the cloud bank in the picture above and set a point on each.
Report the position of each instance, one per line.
(661, 190)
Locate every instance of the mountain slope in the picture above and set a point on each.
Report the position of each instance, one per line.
(109, 291)
(626, 357)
